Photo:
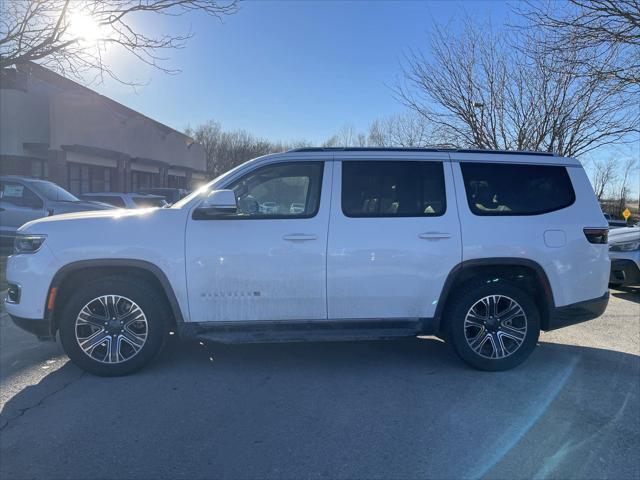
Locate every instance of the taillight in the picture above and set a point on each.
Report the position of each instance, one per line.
(597, 235)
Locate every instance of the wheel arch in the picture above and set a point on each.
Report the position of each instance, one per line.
(85, 270)
(528, 273)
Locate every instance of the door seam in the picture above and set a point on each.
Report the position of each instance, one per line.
(455, 196)
(326, 251)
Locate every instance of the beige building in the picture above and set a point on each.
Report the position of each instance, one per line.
(54, 128)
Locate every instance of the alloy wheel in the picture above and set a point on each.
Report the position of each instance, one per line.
(111, 329)
(495, 326)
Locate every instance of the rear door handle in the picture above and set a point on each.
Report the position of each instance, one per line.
(298, 237)
(434, 235)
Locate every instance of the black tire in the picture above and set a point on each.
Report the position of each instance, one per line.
(458, 331)
(147, 298)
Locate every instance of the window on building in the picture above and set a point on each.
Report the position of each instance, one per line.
(508, 189)
(393, 189)
(175, 181)
(39, 169)
(90, 178)
(12, 166)
(100, 179)
(141, 180)
(280, 191)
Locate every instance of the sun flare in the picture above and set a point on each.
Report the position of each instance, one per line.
(84, 27)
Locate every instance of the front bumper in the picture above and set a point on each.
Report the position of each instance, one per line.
(32, 274)
(41, 328)
(577, 312)
(624, 272)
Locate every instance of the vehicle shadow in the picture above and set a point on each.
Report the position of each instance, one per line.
(401, 409)
(627, 293)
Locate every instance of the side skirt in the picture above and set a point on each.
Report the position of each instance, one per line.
(305, 330)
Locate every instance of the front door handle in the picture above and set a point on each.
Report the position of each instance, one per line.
(297, 237)
(434, 235)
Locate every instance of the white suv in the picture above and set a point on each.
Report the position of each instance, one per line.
(481, 248)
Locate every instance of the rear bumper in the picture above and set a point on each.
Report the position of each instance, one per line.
(624, 272)
(577, 312)
(38, 327)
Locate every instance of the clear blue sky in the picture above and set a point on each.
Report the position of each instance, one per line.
(288, 70)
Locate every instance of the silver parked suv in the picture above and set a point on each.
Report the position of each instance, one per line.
(24, 199)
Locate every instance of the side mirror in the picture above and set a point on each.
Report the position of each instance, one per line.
(217, 204)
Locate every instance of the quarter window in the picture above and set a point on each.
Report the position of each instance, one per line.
(502, 189)
(393, 189)
(284, 190)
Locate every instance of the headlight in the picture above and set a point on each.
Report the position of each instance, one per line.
(28, 243)
(625, 247)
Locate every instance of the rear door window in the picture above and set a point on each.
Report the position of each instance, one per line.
(498, 189)
(393, 189)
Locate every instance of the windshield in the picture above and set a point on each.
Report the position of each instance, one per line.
(51, 191)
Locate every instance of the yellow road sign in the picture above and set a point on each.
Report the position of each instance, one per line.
(626, 213)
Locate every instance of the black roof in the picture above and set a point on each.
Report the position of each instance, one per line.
(393, 149)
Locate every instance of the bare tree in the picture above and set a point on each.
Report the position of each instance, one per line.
(598, 38)
(477, 91)
(629, 174)
(346, 137)
(227, 149)
(402, 130)
(361, 140)
(209, 136)
(604, 176)
(72, 36)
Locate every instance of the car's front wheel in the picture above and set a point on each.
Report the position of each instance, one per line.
(113, 326)
(493, 326)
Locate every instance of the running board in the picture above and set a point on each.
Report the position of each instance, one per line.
(304, 331)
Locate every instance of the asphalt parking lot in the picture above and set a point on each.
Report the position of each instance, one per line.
(402, 409)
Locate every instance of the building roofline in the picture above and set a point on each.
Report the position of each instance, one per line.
(49, 76)
(97, 151)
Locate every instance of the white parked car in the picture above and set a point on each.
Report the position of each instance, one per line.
(126, 200)
(484, 249)
(624, 251)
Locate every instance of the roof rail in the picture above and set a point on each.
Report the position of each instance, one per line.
(394, 149)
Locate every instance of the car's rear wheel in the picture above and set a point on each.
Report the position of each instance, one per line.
(493, 326)
(113, 326)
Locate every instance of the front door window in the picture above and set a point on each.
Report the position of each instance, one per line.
(287, 190)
